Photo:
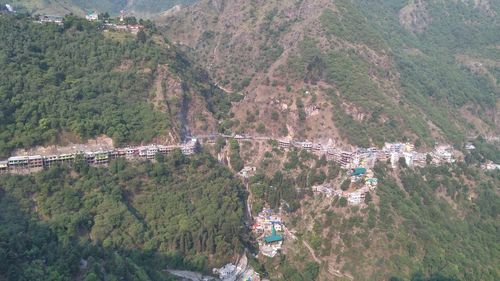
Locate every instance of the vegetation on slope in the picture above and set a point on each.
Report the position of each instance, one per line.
(126, 221)
(80, 7)
(433, 223)
(76, 79)
(431, 81)
(376, 77)
(431, 78)
(56, 78)
(440, 222)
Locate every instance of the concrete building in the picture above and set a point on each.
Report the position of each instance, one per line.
(409, 157)
(470, 146)
(51, 19)
(284, 143)
(394, 159)
(307, 145)
(317, 147)
(151, 152)
(354, 198)
(101, 157)
(346, 159)
(92, 16)
(4, 166)
(25, 161)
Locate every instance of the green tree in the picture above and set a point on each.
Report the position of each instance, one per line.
(345, 185)
(343, 202)
(142, 36)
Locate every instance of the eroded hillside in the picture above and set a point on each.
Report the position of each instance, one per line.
(353, 72)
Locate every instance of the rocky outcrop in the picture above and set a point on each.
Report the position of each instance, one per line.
(414, 17)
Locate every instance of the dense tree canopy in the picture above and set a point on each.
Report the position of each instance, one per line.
(66, 77)
(178, 213)
(76, 78)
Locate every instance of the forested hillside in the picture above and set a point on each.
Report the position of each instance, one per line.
(78, 79)
(436, 222)
(125, 222)
(329, 75)
(358, 72)
(433, 223)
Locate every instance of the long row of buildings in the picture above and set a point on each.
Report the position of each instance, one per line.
(94, 157)
(360, 157)
(367, 157)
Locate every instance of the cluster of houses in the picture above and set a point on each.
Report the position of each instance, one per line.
(132, 28)
(267, 228)
(121, 26)
(93, 16)
(51, 19)
(367, 157)
(236, 272)
(94, 157)
(358, 175)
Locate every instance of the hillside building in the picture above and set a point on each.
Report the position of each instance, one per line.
(4, 166)
(354, 198)
(25, 161)
(284, 143)
(273, 237)
(307, 145)
(92, 16)
(346, 159)
(51, 19)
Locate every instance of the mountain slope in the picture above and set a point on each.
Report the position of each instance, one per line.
(139, 8)
(355, 72)
(437, 221)
(432, 223)
(80, 80)
(125, 222)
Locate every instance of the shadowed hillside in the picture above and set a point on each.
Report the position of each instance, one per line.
(127, 222)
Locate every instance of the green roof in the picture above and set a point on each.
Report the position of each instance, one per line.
(358, 171)
(273, 237)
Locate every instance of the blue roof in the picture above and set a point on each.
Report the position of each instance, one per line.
(358, 171)
(273, 237)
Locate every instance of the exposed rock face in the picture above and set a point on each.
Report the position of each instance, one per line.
(414, 17)
(189, 108)
(485, 6)
(279, 53)
(218, 5)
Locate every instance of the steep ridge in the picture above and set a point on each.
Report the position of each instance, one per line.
(349, 71)
(78, 80)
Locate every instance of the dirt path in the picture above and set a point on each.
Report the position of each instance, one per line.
(189, 275)
(311, 251)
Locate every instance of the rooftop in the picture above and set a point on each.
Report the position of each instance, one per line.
(358, 171)
(273, 237)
